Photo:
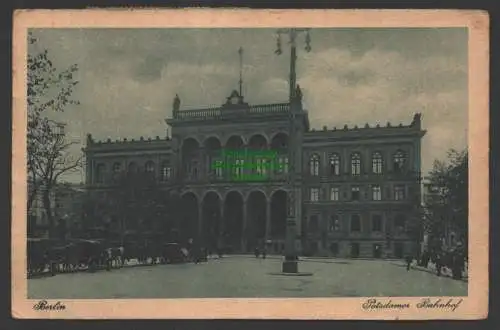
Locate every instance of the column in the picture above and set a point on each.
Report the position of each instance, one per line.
(268, 219)
(208, 165)
(200, 219)
(246, 170)
(244, 228)
(221, 220)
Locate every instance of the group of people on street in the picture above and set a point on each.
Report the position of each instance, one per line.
(454, 260)
(260, 251)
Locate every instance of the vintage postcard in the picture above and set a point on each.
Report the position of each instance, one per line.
(260, 164)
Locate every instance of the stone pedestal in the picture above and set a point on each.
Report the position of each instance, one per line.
(290, 266)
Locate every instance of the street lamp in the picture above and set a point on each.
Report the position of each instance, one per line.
(290, 261)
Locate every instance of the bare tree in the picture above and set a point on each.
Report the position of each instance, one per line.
(54, 161)
(48, 91)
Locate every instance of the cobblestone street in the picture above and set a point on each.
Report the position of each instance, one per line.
(246, 276)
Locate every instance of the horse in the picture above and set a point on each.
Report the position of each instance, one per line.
(115, 256)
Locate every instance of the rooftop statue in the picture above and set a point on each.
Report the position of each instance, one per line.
(298, 93)
(177, 102)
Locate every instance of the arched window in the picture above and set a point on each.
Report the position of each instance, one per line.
(149, 167)
(399, 161)
(377, 163)
(100, 173)
(132, 167)
(238, 168)
(258, 168)
(314, 165)
(334, 164)
(356, 164)
(117, 167)
(194, 170)
(219, 166)
(355, 223)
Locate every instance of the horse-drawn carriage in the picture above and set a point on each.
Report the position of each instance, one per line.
(108, 252)
(64, 255)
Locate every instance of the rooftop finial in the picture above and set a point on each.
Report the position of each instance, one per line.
(240, 52)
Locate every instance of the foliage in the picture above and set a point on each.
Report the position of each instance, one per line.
(447, 203)
(48, 91)
(137, 202)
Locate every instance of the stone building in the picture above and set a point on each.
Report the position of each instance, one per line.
(358, 189)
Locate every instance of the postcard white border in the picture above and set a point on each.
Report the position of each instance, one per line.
(473, 307)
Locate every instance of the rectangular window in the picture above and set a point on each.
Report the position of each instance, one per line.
(314, 224)
(194, 170)
(334, 248)
(283, 164)
(314, 194)
(354, 250)
(334, 193)
(264, 165)
(376, 193)
(355, 167)
(355, 223)
(400, 222)
(399, 192)
(377, 223)
(388, 192)
(334, 224)
(219, 168)
(166, 173)
(355, 194)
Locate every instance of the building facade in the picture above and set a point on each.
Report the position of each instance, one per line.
(359, 189)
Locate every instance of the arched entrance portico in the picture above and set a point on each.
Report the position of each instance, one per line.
(233, 219)
(278, 218)
(188, 226)
(256, 219)
(211, 218)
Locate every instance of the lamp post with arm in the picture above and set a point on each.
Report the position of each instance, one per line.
(290, 264)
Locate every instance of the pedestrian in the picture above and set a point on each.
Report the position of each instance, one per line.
(438, 265)
(264, 252)
(256, 252)
(409, 260)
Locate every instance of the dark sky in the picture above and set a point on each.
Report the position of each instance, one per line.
(128, 77)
